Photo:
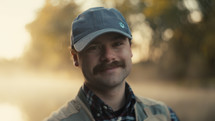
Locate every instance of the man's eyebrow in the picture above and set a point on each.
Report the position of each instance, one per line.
(94, 42)
(118, 36)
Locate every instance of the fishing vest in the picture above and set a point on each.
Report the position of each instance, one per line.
(77, 110)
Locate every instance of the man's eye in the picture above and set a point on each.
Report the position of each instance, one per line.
(116, 44)
(93, 47)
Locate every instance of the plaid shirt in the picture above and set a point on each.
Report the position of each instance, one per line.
(173, 115)
(103, 112)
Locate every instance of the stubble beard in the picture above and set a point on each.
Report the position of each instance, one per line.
(101, 81)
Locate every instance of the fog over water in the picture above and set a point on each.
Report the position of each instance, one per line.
(35, 95)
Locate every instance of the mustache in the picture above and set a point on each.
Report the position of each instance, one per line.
(103, 66)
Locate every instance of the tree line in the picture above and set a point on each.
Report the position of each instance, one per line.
(181, 40)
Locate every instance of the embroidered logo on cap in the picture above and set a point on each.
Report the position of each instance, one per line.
(121, 25)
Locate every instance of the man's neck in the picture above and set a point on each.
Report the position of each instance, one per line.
(115, 97)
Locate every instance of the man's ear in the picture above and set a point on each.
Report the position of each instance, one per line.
(75, 57)
(131, 52)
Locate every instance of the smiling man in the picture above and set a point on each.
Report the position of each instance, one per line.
(101, 48)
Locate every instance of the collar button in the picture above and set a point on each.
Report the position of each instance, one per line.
(105, 107)
(98, 114)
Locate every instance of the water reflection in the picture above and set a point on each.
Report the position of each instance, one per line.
(32, 96)
(10, 112)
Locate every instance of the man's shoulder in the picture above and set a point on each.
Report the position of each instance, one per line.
(65, 111)
(148, 101)
(153, 107)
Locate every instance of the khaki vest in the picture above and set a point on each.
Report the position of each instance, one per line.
(145, 110)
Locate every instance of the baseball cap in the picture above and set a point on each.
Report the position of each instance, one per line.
(94, 22)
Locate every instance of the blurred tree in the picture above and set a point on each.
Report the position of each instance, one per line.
(182, 34)
(50, 33)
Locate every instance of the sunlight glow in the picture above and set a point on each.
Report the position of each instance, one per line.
(142, 36)
(10, 113)
(86, 4)
(167, 34)
(195, 16)
(15, 14)
(191, 4)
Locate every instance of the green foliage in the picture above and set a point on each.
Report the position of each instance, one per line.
(181, 46)
(190, 51)
(50, 33)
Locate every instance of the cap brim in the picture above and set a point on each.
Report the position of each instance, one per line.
(82, 43)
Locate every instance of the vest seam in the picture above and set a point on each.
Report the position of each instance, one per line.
(85, 108)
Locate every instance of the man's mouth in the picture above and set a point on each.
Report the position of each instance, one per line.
(108, 68)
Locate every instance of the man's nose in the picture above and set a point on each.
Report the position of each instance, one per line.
(108, 54)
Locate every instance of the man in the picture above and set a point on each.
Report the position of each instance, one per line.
(101, 48)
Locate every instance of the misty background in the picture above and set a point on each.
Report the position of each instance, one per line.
(174, 57)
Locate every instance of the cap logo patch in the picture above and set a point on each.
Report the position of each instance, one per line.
(121, 25)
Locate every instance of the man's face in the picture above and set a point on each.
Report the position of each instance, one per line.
(106, 61)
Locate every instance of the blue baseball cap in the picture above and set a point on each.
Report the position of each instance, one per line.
(94, 22)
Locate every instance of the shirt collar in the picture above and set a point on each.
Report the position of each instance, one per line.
(98, 107)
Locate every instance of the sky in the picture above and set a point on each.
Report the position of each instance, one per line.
(15, 14)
